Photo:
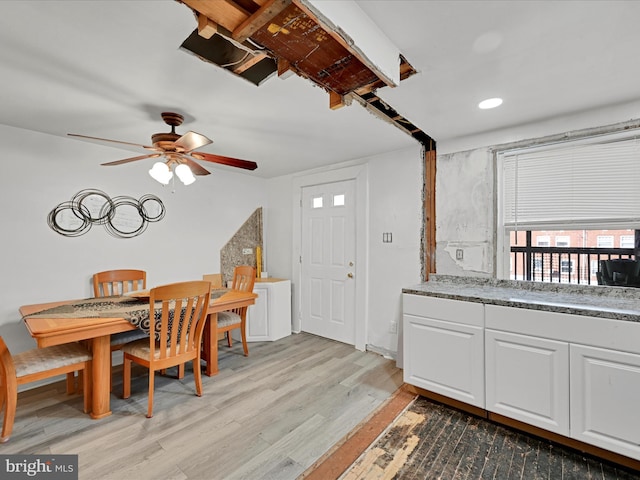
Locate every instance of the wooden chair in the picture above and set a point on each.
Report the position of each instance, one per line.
(244, 277)
(214, 278)
(109, 283)
(173, 339)
(38, 364)
(118, 282)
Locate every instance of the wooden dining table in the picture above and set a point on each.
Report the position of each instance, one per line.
(57, 330)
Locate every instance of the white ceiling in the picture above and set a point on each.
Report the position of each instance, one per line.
(108, 68)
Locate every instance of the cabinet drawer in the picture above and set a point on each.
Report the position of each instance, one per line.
(467, 313)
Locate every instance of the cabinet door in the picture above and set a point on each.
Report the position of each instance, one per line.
(527, 379)
(258, 316)
(605, 399)
(445, 357)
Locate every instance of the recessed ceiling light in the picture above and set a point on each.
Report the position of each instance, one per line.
(490, 103)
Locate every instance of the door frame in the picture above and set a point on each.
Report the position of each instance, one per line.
(359, 173)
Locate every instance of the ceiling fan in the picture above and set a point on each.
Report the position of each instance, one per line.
(177, 149)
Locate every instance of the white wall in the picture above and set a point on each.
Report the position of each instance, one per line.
(466, 184)
(39, 265)
(393, 199)
(465, 213)
(395, 205)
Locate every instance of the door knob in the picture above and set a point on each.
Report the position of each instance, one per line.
(350, 275)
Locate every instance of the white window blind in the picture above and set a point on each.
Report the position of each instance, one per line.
(593, 185)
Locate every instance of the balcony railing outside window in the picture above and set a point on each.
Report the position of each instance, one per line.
(562, 264)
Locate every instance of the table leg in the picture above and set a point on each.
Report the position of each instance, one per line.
(101, 350)
(211, 345)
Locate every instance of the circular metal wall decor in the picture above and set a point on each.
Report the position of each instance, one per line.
(122, 217)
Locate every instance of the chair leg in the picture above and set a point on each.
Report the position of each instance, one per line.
(10, 394)
(151, 385)
(80, 381)
(197, 375)
(181, 371)
(71, 383)
(110, 371)
(229, 340)
(126, 377)
(243, 332)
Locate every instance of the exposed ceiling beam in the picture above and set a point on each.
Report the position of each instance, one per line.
(207, 28)
(226, 13)
(269, 10)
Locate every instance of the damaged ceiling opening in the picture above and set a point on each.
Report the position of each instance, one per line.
(257, 39)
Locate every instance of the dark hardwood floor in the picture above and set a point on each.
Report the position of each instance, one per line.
(433, 441)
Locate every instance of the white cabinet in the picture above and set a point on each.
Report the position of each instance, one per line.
(527, 378)
(605, 397)
(444, 347)
(270, 317)
(574, 375)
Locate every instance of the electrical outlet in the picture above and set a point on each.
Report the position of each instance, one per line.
(459, 254)
(247, 251)
(393, 327)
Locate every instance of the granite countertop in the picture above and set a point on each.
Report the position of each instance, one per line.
(619, 303)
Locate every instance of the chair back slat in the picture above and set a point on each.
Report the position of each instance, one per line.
(118, 282)
(244, 277)
(183, 308)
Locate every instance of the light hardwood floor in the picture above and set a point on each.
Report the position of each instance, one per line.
(267, 416)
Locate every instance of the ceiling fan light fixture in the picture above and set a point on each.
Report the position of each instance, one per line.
(161, 173)
(185, 174)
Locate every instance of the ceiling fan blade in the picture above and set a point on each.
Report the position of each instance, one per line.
(192, 140)
(232, 162)
(132, 159)
(106, 140)
(196, 169)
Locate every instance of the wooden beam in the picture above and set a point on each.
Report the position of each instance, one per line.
(207, 28)
(429, 246)
(336, 101)
(249, 63)
(283, 66)
(228, 14)
(269, 10)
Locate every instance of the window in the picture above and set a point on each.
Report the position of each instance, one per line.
(537, 264)
(627, 241)
(543, 241)
(566, 266)
(338, 200)
(605, 241)
(589, 184)
(585, 190)
(317, 202)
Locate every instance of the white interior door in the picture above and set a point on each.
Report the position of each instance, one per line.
(328, 260)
